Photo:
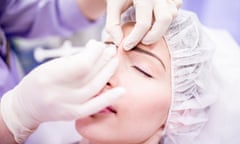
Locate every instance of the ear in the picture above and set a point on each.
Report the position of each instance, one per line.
(155, 138)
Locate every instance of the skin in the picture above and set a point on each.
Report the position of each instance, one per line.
(92, 9)
(142, 111)
(5, 135)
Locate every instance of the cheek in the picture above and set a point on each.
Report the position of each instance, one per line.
(149, 100)
(141, 111)
(144, 110)
(148, 96)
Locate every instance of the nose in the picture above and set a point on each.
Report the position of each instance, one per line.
(108, 85)
(114, 81)
(105, 88)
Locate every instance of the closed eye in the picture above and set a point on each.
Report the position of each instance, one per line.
(143, 72)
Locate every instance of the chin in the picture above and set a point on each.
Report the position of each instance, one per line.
(96, 128)
(94, 135)
(103, 134)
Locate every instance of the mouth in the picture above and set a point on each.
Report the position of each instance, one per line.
(108, 109)
(111, 109)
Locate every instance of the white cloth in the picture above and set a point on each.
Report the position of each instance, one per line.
(224, 117)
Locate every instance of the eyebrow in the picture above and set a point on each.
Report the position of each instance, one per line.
(137, 49)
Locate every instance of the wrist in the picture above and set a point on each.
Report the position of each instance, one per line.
(12, 118)
(5, 135)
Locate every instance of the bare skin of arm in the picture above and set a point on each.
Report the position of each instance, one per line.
(6, 136)
(92, 9)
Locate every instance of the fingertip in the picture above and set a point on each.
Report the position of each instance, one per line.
(117, 38)
(148, 40)
(134, 37)
(127, 48)
(110, 51)
(116, 93)
(127, 45)
(152, 37)
(115, 32)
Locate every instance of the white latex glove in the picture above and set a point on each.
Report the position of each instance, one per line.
(153, 18)
(61, 89)
(41, 54)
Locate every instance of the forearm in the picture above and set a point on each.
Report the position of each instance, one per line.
(5, 135)
(92, 9)
(34, 18)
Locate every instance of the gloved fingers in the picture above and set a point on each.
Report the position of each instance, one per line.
(84, 59)
(102, 63)
(164, 12)
(93, 51)
(100, 102)
(178, 3)
(15, 117)
(144, 11)
(173, 7)
(105, 36)
(109, 51)
(114, 9)
(156, 32)
(81, 64)
(115, 32)
(96, 84)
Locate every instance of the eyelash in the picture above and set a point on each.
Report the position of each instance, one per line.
(143, 72)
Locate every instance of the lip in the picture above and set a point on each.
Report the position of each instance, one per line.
(108, 109)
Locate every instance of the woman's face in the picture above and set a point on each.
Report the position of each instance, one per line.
(142, 111)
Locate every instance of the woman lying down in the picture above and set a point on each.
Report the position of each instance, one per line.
(180, 90)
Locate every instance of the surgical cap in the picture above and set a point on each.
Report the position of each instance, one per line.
(192, 77)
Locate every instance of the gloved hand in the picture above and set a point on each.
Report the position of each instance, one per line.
(153, 18)
(62, 89)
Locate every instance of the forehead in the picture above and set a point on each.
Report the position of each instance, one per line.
(158, 48)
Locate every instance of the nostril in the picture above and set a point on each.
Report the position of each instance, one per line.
(108, 86)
